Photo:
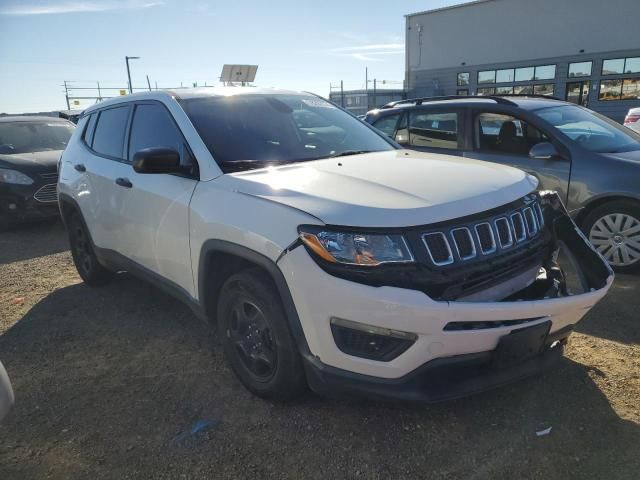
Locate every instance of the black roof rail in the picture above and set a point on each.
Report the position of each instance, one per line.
(496, 98)
(531, 95)
(419, 101)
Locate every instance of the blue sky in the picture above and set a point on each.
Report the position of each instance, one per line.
(303, 45)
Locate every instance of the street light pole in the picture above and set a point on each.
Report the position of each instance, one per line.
(126, 59)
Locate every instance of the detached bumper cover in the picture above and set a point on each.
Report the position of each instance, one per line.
(439, 379)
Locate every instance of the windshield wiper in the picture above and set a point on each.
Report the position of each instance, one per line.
(346, 153)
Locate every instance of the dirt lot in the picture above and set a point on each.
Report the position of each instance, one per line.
(124, 382)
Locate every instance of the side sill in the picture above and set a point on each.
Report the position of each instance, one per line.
(117, 262)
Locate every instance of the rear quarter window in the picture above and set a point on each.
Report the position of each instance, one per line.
(111, 126)
(90, 129)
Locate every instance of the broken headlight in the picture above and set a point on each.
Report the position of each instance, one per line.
(355, 248)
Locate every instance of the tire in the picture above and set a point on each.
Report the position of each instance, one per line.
(84, 258)
(257, 342)
(614, 230)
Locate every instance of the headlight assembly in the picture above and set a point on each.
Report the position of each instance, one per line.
(14, 177)
(354, 248)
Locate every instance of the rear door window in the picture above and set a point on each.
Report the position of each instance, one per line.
(110, 131)
(91, 127)
(433, 129)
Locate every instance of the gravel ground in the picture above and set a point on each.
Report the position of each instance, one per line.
(124, 382)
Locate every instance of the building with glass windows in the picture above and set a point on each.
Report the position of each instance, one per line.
(583, 51)
(360, 102)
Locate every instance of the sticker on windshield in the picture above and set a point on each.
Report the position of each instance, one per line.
(317, 103)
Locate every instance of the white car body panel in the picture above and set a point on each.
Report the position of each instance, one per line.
(363, 190)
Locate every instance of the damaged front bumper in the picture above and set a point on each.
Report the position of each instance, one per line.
(455, 346)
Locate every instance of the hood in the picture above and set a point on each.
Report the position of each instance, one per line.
(396, 188)
(28, 162)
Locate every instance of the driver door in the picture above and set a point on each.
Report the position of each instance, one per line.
(506, 139)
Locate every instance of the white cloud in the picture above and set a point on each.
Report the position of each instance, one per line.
(41, 7)
(369, 53)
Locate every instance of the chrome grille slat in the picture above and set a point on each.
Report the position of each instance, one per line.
(462, 243)
(47, 193)
(486, 227)
(530, 220)
(540, 215)
(465, 252)
(519, 228)
(506, 225)
(433, 237)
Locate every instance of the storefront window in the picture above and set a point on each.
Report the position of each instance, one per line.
(545, 72)
(504, 76)
(463, 79)
(524, 74)
(487, 76)
(580, 69)
(613, 66)
(610, 90)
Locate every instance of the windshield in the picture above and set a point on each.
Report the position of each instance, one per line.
(591, 130)
(28, 137)
(249, 131)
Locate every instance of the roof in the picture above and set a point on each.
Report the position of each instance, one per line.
(186, 93)
(30, 118)
(449, 7)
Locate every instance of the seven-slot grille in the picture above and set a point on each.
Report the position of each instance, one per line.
(485, 237)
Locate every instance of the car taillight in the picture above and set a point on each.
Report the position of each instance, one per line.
(632, 118)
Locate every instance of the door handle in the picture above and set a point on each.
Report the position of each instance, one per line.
(80, 167)
(124, 182)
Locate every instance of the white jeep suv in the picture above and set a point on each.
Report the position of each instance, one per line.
(326, 254)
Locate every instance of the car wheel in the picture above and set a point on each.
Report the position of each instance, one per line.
(614, 230)
(257, 342)
(84, 258)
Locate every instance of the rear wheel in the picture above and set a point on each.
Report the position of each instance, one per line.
(614, 230)
(257, 342)
(84, 258)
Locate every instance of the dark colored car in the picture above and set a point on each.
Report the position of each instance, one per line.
(30, 148)
(591, 161)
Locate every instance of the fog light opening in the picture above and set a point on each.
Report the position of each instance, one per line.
(370, 342)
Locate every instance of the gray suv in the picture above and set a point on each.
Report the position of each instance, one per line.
(591, 161)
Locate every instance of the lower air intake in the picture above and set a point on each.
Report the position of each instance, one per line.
(368, 345)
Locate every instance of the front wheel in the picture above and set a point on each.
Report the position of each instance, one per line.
(614, 230)
(257, 342)
(84, 258)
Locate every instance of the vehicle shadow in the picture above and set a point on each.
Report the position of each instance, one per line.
(112, 382)
(616, 316)
(32, 240)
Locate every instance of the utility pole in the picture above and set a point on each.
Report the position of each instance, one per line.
(66, 95)
(126, 59)
(99, 99)
(375, 103)
(341, 94)
(366, 85)
(148, 83)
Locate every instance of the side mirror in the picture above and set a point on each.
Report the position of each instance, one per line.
(543, 151)
(157, 160)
